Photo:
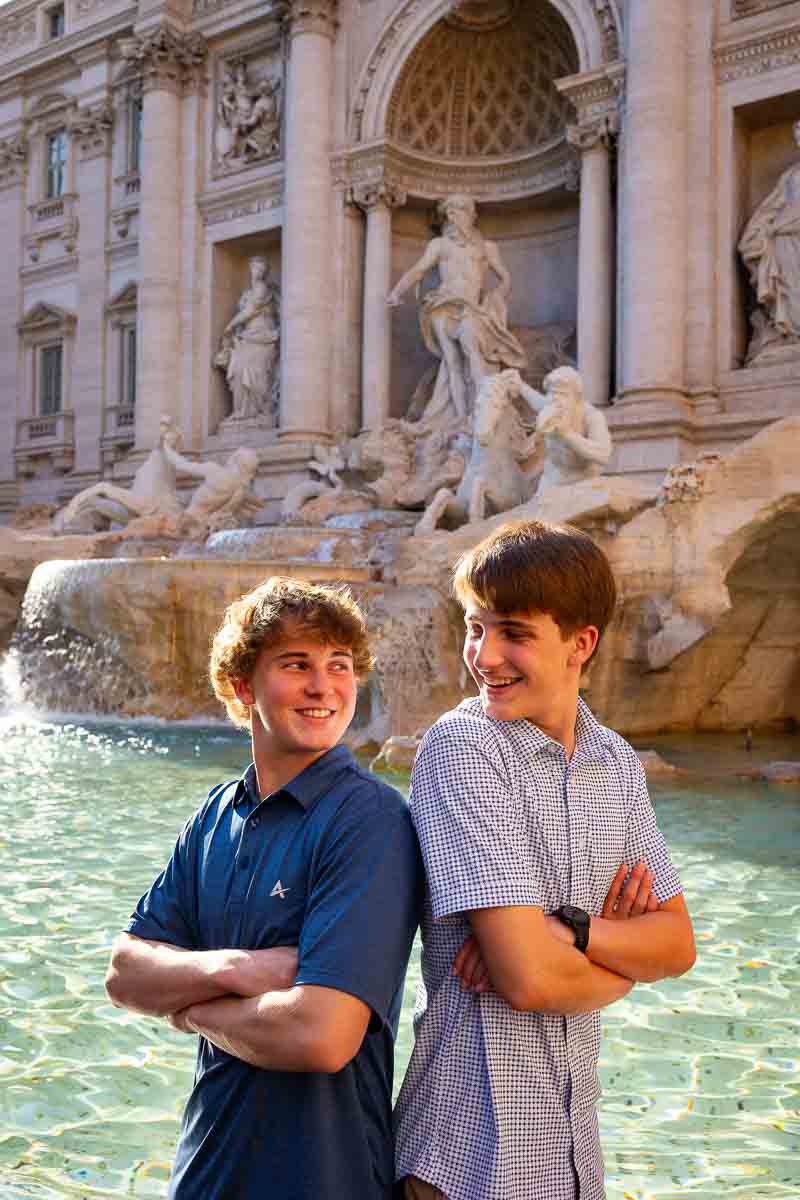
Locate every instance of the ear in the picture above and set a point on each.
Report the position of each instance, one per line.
(584, 642)
(243, 690)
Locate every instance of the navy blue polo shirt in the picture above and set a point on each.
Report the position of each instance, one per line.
(330, 864)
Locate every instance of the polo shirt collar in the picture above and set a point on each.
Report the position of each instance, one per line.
(307, 787)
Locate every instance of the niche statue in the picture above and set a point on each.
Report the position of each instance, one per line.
(249, 352)
(770, 249)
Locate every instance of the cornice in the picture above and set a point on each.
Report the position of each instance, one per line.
(382, 163)
(258, 196)
(60, 52)
(749, 8)
(167, 59)
(757, 54)
(368, 196)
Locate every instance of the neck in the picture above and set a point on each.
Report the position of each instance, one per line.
(276, 768)
(561, 721)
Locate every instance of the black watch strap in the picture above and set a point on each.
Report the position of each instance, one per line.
(578, 921)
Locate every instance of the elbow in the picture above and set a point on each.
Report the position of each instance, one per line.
(528, 996)
(328, 1058)
(118, 969)
(685, 961)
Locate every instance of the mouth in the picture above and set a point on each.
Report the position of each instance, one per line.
(316, 714)
(495, 688)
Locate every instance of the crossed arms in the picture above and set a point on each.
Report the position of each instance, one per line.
(243, 1001)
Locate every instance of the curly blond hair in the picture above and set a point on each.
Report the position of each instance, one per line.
(266, 614)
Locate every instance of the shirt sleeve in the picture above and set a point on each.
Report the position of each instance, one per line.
(645, 843)
(470, 824)
(167, 911)
(364, 902)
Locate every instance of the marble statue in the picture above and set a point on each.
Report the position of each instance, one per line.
(152, 493)
(224, 500)
(577, 443)
(327, 463)
(494, 479)
(250, 349)
(248, 118)
(770, 249)
(462, 323)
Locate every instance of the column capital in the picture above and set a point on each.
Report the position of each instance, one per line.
(599, 131)
(167, 59)
(367, 196)
(13, 159)
(312, 16)
(90, 129)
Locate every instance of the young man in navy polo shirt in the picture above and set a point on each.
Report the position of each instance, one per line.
(280, 929)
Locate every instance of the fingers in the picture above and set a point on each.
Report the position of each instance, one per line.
(633, 901)
(653, 904)
(614, 891)
(470, 967)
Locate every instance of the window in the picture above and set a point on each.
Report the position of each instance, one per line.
(56, 163)
(127, 390)
(55, 22)
(51, 360)
(135, 136)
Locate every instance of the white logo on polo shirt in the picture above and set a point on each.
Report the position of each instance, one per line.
(279, 890)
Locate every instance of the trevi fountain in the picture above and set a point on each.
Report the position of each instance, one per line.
(331, 290)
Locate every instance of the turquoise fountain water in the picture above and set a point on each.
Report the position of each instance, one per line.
(701, 1075)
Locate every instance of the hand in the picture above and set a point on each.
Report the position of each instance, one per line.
(471, 969)
(180, 1020)
(636, 898)
(393, 301)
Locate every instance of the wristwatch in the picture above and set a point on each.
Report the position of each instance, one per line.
(578, 921)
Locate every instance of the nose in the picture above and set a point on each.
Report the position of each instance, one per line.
(317, 682)
(487, 655)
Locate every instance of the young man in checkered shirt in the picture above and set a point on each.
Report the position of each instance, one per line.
(529, 814)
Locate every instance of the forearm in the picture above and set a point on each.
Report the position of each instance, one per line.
(278, 1031)
(575, 986)
(651, 947)
(158, 979)
(598, 451)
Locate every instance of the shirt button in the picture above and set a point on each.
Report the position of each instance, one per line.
(255, 822)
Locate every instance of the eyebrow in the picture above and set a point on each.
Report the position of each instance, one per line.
(504, 624)
(306, 654)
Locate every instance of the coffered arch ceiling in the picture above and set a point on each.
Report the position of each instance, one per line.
(480, 83)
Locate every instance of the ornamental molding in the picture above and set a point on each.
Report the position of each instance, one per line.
(609, 20)
(248, 107)
(757, 55)
(368, 196)
(166, 59)
(13, 159)
(43, 316)
(747, 8)
(263, 196)
(597, 99)
(312, 16)
(17, 30)
(90, 129)
(382, 163)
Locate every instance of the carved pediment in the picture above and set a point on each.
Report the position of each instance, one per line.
(47, 317)
(50, 101)
(125, 301)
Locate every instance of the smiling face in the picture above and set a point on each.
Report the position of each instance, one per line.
(525, 669)
(302, 697)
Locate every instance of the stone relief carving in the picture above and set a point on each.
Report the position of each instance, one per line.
(608, 27)
(13, 158)
(462, 323)
(250, 349)
(248, 119)
(686, 482)
(312, 16)
(165, 57)
(770, 249)
(224, 500)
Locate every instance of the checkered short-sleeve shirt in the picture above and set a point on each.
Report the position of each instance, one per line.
(496, 1104)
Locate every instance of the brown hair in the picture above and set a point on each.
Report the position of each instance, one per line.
(269, 612)
(529, 566)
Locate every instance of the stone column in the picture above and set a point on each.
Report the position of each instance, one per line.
(13, 176)
(595, 98)
(377, 201)
(653, 240)
(348, 331)
(90, 132)
(595, 260)
(306, 249)
(165, 57)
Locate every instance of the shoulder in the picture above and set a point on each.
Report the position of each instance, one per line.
(464, 734)
(367, 797)
(619, 754)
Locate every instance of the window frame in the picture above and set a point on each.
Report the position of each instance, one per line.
(55, 186)
(43, 399)
(56, 13)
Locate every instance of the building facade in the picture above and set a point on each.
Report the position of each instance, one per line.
(152, 152)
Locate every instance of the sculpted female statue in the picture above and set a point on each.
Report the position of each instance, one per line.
(770, 248)
(250, 349)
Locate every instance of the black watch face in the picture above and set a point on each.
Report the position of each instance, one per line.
(575, 914)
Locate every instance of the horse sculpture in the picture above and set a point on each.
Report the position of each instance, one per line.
(494, 478)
